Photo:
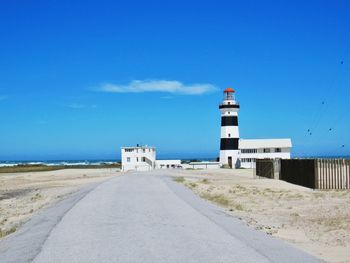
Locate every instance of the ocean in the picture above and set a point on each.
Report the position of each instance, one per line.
(58, 162)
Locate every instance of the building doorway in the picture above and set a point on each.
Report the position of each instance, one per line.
(230, 161)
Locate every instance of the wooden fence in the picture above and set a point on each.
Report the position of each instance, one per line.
(312, 173)
(298, 171)
(268, 168)
(332, 174)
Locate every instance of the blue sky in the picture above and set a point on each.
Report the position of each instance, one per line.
(80, 79)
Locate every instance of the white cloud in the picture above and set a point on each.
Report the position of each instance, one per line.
(167, 86)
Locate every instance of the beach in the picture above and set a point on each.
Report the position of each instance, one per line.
(22, 195)
(315, 221)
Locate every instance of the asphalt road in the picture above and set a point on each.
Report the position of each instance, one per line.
(141, 218)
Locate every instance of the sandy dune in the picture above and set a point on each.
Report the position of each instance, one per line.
(24, 194)
(315, 221)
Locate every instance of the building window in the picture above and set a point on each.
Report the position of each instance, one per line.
(249, 150)
(248, 160)
(128, 150)
(229, 135)
(143, 150)
(267, 150)
(278, 150)
(128, 159)
(144, 159)
(137, 159)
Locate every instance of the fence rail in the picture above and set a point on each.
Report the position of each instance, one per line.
(312, 173)
(332, 174)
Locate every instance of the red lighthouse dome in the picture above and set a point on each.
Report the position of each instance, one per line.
(231, 90)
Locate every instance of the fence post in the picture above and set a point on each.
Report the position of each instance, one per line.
(335, 173)
(332, 174)
(327, 173)
(317, 181)
(323, 174)
(339, 173)
(344, 174)
(347, 174)
(276, 169)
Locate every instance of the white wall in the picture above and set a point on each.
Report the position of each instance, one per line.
(284, 154)
(166, 164)
(224, 154)
(132, 158)
(202, 165)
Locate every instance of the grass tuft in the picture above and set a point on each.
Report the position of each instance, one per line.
(217, 198)
(4, 233)
(179, 179)
(205, 181)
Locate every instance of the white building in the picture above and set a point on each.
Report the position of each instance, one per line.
(143, 158)
(139, 158)
(250, 150)
(167, 164)
(242, 153)
(207, 165)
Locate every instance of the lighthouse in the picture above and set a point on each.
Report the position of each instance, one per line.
(229, 149)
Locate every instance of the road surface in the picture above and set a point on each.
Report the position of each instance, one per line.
(144, 217)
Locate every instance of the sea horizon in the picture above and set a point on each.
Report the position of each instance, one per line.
(102, 161)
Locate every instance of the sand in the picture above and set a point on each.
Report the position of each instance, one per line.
(22, 195)
(316, 221)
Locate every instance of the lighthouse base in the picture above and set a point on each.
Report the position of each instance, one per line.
(230, 158)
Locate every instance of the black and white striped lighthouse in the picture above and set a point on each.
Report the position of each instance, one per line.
(229, 151)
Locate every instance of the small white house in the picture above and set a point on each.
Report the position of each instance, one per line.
(139, 158)
(250, 150)
(143, 158)
(168, 164)
(207, 165)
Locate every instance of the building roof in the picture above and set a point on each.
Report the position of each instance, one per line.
(138, 147)
(229, 90)
(264, 143)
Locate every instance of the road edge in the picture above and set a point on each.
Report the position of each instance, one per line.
(26, 243)
(275, 250)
